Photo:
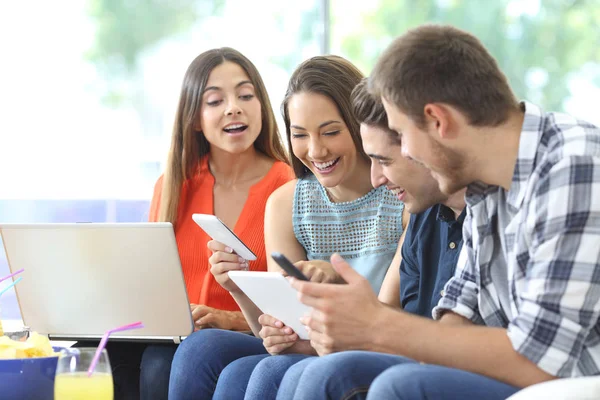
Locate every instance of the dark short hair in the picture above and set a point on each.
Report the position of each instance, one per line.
(443, 64)
(369, 110)
(333, 77)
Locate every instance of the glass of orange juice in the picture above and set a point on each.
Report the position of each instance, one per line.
(72, 381)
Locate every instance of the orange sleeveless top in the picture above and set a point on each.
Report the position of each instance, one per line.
(197, 197)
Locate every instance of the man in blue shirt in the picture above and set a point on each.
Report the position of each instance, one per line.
(433, 237)
(429, 254)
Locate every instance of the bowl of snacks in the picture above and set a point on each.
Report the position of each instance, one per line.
(27, 367)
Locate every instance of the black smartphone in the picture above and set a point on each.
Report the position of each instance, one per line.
(288, 267)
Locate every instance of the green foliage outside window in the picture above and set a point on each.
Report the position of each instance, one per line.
(537, 48)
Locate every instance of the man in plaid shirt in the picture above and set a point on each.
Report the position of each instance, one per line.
(531, 261)
(524, 304)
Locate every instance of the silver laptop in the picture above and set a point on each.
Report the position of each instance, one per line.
(82, 279)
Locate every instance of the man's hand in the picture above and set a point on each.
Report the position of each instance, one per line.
(208, 317)
(319, 271)
(276, 336)
(344, 317)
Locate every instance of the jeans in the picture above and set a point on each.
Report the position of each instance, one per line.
(349, 375)
(234, 378)
(419, 381)
(155, 370)
(345, 375)
(254, 377)
(139, 370)
(202, 357)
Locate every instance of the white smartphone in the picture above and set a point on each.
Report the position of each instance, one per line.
(216, 229)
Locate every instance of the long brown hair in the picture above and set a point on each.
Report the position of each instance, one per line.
(189, 146)
(333, 77)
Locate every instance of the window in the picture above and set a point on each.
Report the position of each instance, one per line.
(548, 49)
(89, 89)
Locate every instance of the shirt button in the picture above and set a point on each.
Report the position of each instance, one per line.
(452, 245)
(442, 293)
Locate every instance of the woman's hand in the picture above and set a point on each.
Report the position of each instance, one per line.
(276, 336)
(208, 317)
(319, 271)
(222, 261)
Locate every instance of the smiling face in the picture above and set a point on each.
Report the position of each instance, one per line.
(411, 182)
(320, 139)
(230, 115)
(424, 146)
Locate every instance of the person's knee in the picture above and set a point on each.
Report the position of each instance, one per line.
(264, 366)
(203, 355)
(204, 342)
(187, 356)
(404, 381)
(233, 380)
(291, 377)
(293, 373)
(326, 371)
(271, 370)
(193, 343)
(186, 362)
(324, 368)
(272, 363)
(242, 367)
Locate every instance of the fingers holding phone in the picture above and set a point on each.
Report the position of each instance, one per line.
(223, 260)
(217, 230)
(314, 270)
(319, 271)
(276, 336)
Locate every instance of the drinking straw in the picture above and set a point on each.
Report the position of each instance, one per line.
(11, 275)
(102, 345)
(13, 283)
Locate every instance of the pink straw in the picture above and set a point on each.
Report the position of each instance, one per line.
(102, 345)
(11, 275)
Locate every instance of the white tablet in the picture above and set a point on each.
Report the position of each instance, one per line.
(274, 295)
(216, 229)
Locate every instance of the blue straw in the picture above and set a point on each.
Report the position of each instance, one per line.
(10, 285)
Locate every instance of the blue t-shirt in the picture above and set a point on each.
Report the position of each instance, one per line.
(429, 255)
(365, 231)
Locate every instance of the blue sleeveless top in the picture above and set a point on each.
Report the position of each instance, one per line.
(364, 231)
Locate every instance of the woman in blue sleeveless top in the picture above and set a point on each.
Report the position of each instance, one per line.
(330, 207)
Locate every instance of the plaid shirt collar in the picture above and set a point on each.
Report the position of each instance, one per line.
(529, 147)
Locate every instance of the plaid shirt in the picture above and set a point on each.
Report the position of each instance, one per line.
(551, 244)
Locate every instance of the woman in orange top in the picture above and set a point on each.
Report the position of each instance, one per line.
(226, 158)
